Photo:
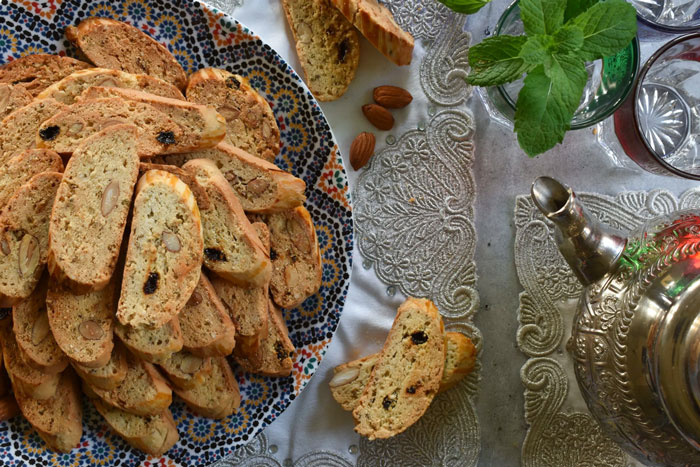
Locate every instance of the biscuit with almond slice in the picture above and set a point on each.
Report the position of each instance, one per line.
(250, 123)
(113, 44)
(90, 212)
(38, 71)
(164, 255)
(24, 237)
(72, 86)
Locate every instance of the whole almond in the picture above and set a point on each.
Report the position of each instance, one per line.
(361, 150)
(258, 186)
(171, 241)
(343, 377)
(91, 330)
(190, 364)
(392, 97)
(110, 196)
(378, 116)
(28, 255)
(40, 329)
(195, 299)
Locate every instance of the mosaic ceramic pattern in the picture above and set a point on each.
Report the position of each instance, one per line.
(199, 36)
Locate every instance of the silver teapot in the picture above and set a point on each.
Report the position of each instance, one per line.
(636, 334)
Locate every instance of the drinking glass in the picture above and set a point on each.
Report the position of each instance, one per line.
(674, 16)
(658, 126)
(610, 81)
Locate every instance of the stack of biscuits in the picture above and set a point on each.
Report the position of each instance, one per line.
(146, 238)
(327, 44)
(389, 391)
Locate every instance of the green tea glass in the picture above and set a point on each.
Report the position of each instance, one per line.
(609, 81)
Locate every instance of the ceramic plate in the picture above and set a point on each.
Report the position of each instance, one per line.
(200, 36)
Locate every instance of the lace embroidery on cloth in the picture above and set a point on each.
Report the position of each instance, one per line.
(228, 6)
(561, 431)
(414, 212)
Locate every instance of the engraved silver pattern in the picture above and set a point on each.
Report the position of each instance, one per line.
(543, 304)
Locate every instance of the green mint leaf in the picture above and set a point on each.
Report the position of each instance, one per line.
(495, 61)
(608, 27)
(536, 49)
(467, 7)
(568, 39)
(576, 7)
(547, 102)
(542, 16)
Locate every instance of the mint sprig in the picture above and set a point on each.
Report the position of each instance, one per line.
(497, 61)
(560, 37)
(465, 6)
(607, 28)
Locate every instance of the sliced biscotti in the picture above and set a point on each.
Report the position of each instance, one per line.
(154, 434)
(276, 350)
(260, 186)
(218, 396)
(112, 44)
(250, 123)
(186, 370)
(92, 203)
(327, 46)
(207, 329)
(349, 379)
(24, 236)
(37, 72)
(30, 323)
(152, 345)
(72, 86)
(460, 359)
(83, 325)
(157, 132)
(247, 307)
(377, 24)
(83, 119)
(203, 127)
(231, 248)
(142, 392)
(21, 168)
(108, 376)
(296, 259)
(59, 419)
(12, 97)
(19, 130)
(35, 383)
(164, 256)
(407, 376)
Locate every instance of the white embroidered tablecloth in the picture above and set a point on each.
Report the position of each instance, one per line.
(413, 211)
(420, 230)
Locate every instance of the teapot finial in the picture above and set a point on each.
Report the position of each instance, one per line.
(591, 250)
